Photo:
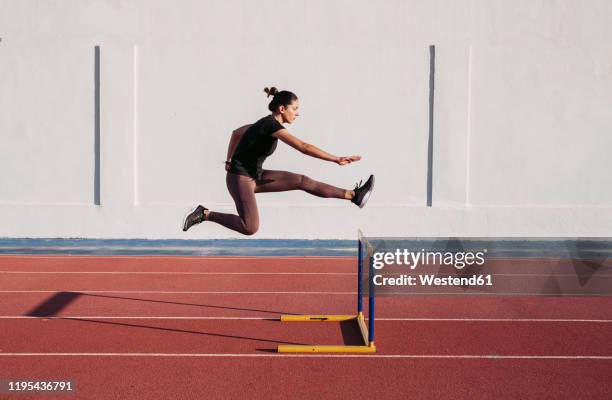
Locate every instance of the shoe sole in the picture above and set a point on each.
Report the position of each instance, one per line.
(185, 219)
(368, 194)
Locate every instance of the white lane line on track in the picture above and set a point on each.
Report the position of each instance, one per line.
(201, 258)
(252, 273)
(175, 273)
(579, 295)
(68, 317)
(284, 355)
(496, 320)
(275, 317)
(165, 292)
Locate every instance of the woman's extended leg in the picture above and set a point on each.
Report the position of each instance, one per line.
(281, 181)
(242, 190)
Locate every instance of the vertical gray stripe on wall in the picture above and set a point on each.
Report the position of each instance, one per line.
(97, 125)
(432, 71)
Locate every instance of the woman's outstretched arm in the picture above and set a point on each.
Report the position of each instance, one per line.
(312, 150)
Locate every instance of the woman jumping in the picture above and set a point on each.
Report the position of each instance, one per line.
(248, 148)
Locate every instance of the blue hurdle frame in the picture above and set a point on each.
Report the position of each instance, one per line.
(371, 292)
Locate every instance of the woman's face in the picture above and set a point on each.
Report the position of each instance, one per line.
(291, 112)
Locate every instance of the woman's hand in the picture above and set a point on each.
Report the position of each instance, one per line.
(347, 160)
(227, 166)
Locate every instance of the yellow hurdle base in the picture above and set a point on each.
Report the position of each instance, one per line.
(367, 347)
(326, 349)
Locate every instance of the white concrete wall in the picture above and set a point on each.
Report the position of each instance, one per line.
(522, 114)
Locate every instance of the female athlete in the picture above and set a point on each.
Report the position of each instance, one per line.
(249, 146)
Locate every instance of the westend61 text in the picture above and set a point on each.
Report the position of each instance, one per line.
(432, 280)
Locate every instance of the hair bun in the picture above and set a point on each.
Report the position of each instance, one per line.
(271, 91)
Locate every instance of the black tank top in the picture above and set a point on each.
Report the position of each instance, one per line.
(256, 144)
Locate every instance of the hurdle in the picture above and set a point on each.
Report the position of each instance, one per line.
(364, 251)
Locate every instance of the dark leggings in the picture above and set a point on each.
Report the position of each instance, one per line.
(243, 189)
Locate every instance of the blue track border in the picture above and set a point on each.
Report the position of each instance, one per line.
(171, 247)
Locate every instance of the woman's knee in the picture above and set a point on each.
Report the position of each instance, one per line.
(306, 183)
(250, 228)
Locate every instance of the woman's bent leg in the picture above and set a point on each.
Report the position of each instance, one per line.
(242, 190)
(281, 181)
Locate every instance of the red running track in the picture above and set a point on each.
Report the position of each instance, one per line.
(192, 328)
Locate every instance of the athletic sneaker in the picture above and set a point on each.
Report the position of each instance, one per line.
(363, 192)
(195, 217)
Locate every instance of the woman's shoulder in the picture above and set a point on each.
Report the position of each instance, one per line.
(268, 122)
(267, 118)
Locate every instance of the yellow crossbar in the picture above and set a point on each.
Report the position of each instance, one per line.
(317, 318)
